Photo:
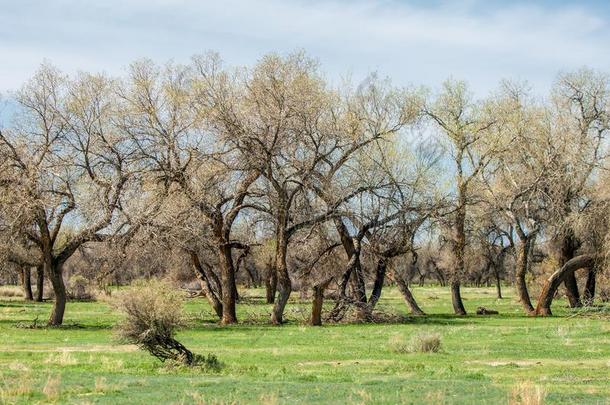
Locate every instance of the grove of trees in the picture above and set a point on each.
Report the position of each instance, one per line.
(272, 175)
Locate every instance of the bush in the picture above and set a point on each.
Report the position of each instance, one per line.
(153, 312)
(420, 343)
(79, 288)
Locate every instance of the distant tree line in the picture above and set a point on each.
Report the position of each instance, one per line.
(273, 176)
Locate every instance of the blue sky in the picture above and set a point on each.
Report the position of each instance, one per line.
(414, 42)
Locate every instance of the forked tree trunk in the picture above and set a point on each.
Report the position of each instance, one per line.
(270, 284)
(54, 272)
(26, 282)
(589, 293)
(554, 281)
(523, 250)
(283, 282)
(206, 286)
(408, 296)
(39, 283)
(318, 301)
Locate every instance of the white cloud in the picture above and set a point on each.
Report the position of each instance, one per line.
(412, 43)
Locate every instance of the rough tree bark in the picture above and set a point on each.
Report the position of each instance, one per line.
(567, 250)
(458, 250)
(554, 281)
(283, 279)
(54, 271)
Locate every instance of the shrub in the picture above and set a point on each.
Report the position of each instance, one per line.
(422, 343)
(79, 288)
(153, 312)
(425, 343)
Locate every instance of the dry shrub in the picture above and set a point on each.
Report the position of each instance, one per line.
(11, 291)
(526, 393)
(153, 313)
(79, 288)
(425, 343)
(420, 343)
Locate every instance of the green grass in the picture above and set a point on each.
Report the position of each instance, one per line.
(482, 359)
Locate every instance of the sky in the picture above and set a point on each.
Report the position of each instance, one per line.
(413, 42)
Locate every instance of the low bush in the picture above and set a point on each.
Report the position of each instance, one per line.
(153, 313)
(419, 343)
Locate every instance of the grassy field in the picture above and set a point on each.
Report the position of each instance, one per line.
(487, 359)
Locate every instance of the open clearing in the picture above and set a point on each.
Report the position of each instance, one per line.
(483, 359)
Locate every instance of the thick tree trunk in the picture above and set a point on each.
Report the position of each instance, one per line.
(456, 299)
(26, 282)
(408, 296)
(39, 283)
(567, 251)
(284, 283)
(589, 293)
(523, 250)
(270, 283)
(554, 281)
(318, 301)
(229, 289)
(54, 272)
(206, 286)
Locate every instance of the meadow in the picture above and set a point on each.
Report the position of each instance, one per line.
(505, 358)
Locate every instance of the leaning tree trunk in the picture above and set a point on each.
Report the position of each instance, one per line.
(554, 281)
(227, 280)
(206, 286)
(26, 282)
(54, 272)
(520, 274)
(589, 293)
(284, 284)
(407, 295)
(382, 265)
(39, 283)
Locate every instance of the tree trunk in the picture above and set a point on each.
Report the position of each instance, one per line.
(520, 274)
(26, 282)
(567, 251)
(498, 284)
(554, 281)
(39, 283)
(207, 288)
(407, 295)
(589, 293)
(270, 283)
(382, 265)
(229, 290)
(456, 298)
(459, 250)
(284, 283)
(318, 300)
(54, 272)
